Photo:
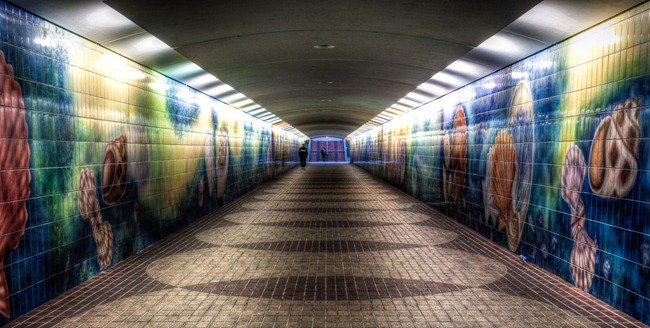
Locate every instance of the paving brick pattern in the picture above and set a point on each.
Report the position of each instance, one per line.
(325, 246)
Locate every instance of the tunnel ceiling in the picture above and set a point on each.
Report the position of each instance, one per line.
(280, 54)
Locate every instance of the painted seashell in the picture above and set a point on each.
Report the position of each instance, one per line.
(521, 128)
(614, 154)
(459, 154)
(86, 195)
(15, 177)
(573, 174)
(503, 174)
(583, 260)
(89, 210)
(583, 254)
(103, 236)
(208, 154)
(114, 170)
(222, 161)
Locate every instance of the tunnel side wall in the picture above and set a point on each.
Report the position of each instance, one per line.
(548, 157)
(101, 157)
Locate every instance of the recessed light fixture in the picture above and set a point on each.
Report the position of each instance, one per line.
(323, 46)
(328, 82)
(326, 100)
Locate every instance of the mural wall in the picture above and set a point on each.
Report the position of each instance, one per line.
(548, 157)
(100, 158)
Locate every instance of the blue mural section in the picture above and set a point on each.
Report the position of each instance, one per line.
(101, 157)
(547, 157)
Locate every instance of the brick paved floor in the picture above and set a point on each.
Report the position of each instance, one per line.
(325, 246)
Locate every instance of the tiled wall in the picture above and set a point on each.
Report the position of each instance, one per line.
(101, 157)
(548, 157)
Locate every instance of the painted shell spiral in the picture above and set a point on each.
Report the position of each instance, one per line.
(613, 159)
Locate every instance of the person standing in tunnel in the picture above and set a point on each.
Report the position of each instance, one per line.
(302, 152)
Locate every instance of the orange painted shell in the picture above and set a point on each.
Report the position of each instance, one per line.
(503, 174)
(459, 154)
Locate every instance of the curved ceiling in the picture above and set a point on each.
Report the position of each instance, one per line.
(279, 54)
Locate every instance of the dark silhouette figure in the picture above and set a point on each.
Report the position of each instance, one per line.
(302, 152)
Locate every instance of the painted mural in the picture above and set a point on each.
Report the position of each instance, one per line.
(101, 157)
(548, 157)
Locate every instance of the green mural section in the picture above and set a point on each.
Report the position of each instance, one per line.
(547, 157)
(101, 157)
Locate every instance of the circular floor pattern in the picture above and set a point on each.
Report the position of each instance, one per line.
(268, 217)
(366, 205)
(219, 264)
(326, 288)
(338, 197)
(325, 224)
(318, 191)
(407, 234)
(334, 246)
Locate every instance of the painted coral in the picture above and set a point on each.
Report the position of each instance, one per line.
(15, 176)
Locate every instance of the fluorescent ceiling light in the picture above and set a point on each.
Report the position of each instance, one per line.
(265, 116)
(183, 70)
(257, 111)
(433, 88)
(448, 78)
(249, 108)
(107, 17)
(151, 44)
(219, 90)
(408, 102)
(393, 111)
(241, 103)
(418, 97)
(232, 98)
(201, 80)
